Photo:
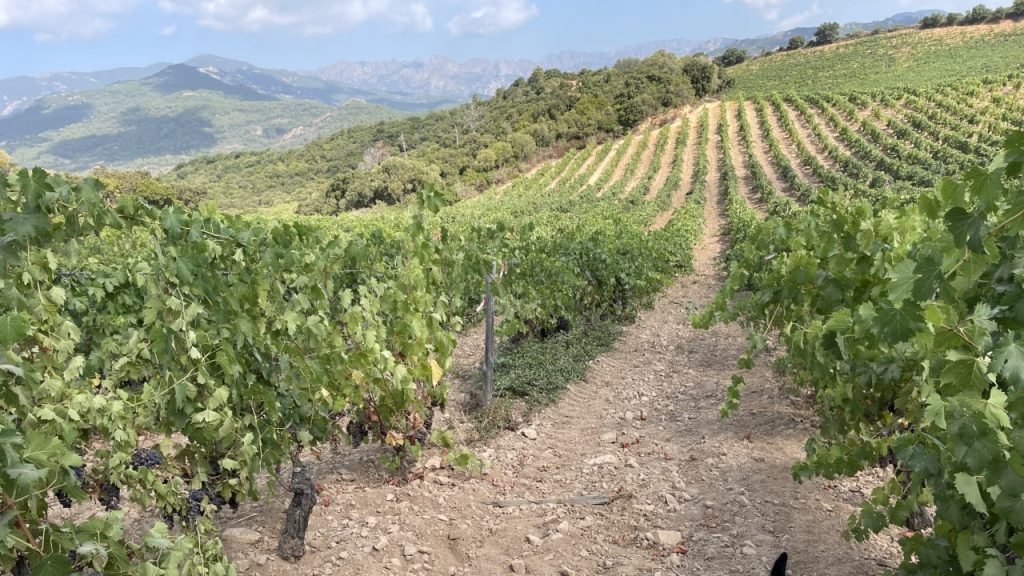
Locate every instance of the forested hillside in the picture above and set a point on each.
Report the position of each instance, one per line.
(465, 148)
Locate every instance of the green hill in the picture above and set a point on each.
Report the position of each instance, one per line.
(160, 121)
(907, 58)
(466, 148)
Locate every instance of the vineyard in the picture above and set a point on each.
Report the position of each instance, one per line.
(183, 362)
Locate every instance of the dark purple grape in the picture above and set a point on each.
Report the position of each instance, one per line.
(63, 498)
(357, 431)
(146, 458)
(110, 496)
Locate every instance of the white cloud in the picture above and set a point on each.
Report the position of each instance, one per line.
(490, 16)
(55, 20)
(310, 18)
(799, 18)
(169, 30)
(768, 9)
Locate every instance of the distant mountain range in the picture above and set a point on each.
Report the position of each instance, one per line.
(440, 77)
(177, 113)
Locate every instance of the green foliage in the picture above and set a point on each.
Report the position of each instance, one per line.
(980, 14)
(927, 58)
(796, 43)
(228, 342)
(731, 57)
(6, 164)
(393, 181)
(905, 322)
(470, 144)
(538, 369)
(146, 187)
(827, 33)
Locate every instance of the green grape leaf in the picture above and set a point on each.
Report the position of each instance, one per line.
(901, 281)
(1008, 359)
(13, 328)
(899, 324)
(993, 567)
(967, 229)
(967, 486)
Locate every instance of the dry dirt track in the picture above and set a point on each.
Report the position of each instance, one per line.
(643, 424)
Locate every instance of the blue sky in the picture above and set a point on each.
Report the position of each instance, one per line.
(38, 36)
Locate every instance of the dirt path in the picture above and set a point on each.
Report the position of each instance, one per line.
(809, 139)
(739, 160)
(620, 169)
(788, 147)
(604, 163)
(646, 159)
(643, 425)
(763, 157)
(567, 172)
(689, 164)
(586, 163)
(830, 131)
(667, 160)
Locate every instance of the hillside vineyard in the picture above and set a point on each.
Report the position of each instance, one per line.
(163, 364)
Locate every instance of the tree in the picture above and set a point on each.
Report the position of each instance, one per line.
(978, 15)
(796, 43)
(1017, 10)
(827, 33)
(523, 145)
(374, 156)
(936, 20)
(731, 57)
(6, 164)
(953, 18)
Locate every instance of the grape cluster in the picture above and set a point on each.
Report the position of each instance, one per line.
(196, 498)
(146, 458)
(62, 496)
(132, 384)
(357, 431)
(110, 496)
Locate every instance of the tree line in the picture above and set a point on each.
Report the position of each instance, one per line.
(980, 14)
(462, 149)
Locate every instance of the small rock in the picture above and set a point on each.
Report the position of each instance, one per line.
(518, 567)
(609, 437)
(442, 480)
(243, 565)
(671, 501)
(243, 536)
(531, 539)
(529, 433)
(371, 521)
(632, 463)
(381, 544)
(389, 498)
(743, 501)
(604, 459)
(563, 571)
(629, 415)
(667, 538)
(347, 477)
(563, 528)
(409, 550)
(748, 551)
(433, 463)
